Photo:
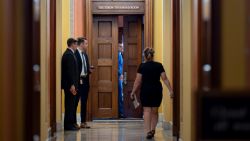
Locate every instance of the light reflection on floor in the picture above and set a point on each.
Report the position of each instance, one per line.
(112, 131)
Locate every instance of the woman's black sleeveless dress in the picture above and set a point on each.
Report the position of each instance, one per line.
(151, 88)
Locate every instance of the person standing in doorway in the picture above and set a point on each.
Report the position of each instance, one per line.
(70, 80)
(148, 81)
(120, 81)
(84, 72)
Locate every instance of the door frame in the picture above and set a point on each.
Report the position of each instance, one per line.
(176, 4)
(88, 29)
(52, 65)
(248, 45)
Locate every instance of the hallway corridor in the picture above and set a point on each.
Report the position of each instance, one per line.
(113, 131)
(203, 47)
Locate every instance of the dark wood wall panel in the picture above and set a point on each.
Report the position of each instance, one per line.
(248, 41)
(52, 67)
(20, 95)
(176, 66)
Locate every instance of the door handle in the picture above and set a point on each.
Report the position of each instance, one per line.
(125, 78)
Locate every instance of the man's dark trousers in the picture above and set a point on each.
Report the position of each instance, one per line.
(83, 91)
(70, 101)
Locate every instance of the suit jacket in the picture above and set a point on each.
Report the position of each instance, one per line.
(79, 62)
(69, 70)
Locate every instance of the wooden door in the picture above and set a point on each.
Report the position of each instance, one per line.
(132, 59)
(104, 58)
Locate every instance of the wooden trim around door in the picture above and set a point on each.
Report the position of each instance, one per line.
(52, 67)
(32, 69)
(206, 44)
(88, 19)
(248, 42)
(88, 35)
(215, 53)
(8, 69)
(176, 66)
(84, 14)
(196, 62)
(148, 22)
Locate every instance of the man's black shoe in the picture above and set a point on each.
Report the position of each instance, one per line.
(122, 116)
(71, 128)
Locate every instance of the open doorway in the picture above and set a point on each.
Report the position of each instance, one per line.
(109, 31)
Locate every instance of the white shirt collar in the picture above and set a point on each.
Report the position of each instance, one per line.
(71, 49)
(80, 51)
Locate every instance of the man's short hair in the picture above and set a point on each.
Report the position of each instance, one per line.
(71, 41)
(81, 40)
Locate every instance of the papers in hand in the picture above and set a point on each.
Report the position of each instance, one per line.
(135, 102)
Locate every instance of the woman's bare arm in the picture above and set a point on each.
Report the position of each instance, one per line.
(137, 84)
(167, 83)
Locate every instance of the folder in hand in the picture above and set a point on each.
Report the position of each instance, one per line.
(135, 102)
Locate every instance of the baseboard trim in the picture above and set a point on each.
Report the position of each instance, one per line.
(59, 126)
(167, 125)
(180, 139)
(49, 132)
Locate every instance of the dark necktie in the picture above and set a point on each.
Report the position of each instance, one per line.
(84, 64)
(74, 57)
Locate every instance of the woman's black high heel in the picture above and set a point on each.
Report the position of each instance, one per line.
(150, 135)
(153, 133)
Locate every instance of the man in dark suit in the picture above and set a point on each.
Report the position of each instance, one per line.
(84, 72)
(70, 79)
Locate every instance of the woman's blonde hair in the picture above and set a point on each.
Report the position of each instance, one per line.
(149, 53)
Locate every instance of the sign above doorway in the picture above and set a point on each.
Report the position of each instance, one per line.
(118, 7)
(119, 0)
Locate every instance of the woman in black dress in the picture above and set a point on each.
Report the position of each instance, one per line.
(148, 80)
